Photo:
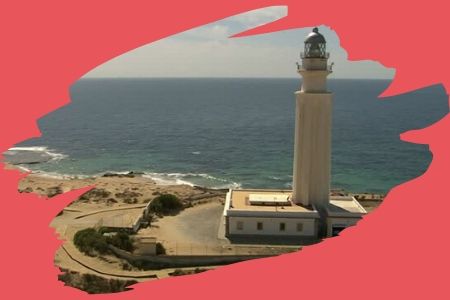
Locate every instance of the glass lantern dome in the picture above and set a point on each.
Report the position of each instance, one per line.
(315, 45)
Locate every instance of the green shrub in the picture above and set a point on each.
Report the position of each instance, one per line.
(95, 194)
(121, 240)
(90, 242)
(160, 249)
(165, 204)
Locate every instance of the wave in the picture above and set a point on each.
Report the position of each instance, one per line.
(34, 148)
(32, 155)
(191, 179)
(56, 175)
(288, 185)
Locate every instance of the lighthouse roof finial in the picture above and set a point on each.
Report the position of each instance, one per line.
(315, 37)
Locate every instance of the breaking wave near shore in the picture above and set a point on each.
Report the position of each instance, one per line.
(191, 179)
(32, 155)
(37, 160)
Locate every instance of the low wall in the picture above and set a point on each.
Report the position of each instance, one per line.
(180, 261)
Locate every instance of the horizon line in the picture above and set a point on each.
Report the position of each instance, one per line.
(220, 77)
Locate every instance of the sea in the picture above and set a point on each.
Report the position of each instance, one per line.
(228, 132)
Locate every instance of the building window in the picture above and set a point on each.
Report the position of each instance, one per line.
(282, 226)
(299, 226)
(240, 225)
(259, 226)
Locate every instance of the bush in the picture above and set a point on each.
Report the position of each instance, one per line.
(165, 204)
(90, 241)
(54, 191)
(180, 272)
(94, 284)
(160, 249)
(121, 240)
(95, 194)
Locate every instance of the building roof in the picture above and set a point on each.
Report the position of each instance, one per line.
(269, 199)
(146, 239)
(343, 206)
(120, 221)
(238, 203)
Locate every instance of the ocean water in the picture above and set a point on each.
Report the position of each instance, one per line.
(229, 132)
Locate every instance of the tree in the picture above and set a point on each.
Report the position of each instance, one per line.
(165, 204)
(90, 242)
(160, 250)
(122, 241)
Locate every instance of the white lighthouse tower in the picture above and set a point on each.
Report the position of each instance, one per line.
(307, 212)
(312, 145)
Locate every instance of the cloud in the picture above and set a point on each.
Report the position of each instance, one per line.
(208, 52)
(195, 58)
(207, 32)
(261, 16)
(235, 24)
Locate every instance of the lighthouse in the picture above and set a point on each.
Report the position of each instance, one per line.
(307, 212)
(312, 142)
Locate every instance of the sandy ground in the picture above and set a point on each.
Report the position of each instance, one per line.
(141, 188)
(198, 225)
(194, 231)
(118, 195)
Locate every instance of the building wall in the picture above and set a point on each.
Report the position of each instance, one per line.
(271, 226)
(155, 262)
(343, 221)
(146, 249)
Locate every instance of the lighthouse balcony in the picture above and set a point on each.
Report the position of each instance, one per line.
(319, 54)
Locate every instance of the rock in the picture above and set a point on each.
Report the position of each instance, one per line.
(26, 190)
(131, 174)
(53, 191)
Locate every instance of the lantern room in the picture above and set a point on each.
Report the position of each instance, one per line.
(315, 45)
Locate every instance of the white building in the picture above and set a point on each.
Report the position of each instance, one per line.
(307, 210)
(122, 222)
(342, 212)
(267, 212)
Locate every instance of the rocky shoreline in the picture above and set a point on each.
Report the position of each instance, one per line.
(115, 193)
(130, 188)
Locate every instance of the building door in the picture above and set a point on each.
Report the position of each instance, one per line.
(336, 229)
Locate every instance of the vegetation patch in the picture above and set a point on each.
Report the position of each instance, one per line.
(94, 284)
(180, 272)
(128, 196)
(160, 250)
(165, 204)
(92, 242)
(95, 195)
(121, 240)
(54, 191)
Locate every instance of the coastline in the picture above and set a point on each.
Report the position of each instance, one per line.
(117, 195)
(49, 185)
(111, 189)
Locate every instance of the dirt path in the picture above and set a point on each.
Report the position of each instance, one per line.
(193, 231)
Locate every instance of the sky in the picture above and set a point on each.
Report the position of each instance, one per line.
(207, 51)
